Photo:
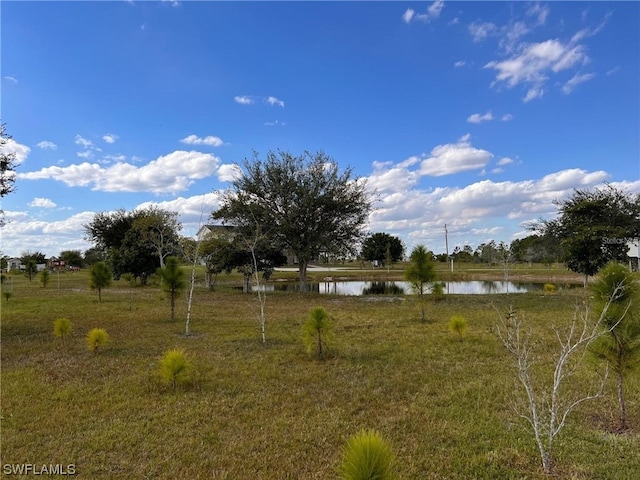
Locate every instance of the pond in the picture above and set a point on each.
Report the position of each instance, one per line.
(358, 288)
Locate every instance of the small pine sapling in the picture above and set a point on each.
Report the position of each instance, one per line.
(437, 291)
(175, 368)
(97, 337)
(458, 325)
(366, 456)
(317, 331)
(45, 276)
(62, 328)
(549, 288)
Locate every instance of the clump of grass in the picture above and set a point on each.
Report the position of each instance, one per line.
(97, 337)
(175, 368)
(62, 328)
(458, 325)
(549, 288)
(317, 330)
(366, 456)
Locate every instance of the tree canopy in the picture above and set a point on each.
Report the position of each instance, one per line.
(381, 246)
(593, 227)
(8, 163)
(135, 242)
(303, 204)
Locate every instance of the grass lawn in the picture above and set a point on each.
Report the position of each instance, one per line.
(274, 412)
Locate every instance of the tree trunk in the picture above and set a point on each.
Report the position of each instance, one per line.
(547, 462)
(173, 305)
(302, 271)
(621, 402)
(319, 345)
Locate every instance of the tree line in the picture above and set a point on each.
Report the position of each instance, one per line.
(300, 209)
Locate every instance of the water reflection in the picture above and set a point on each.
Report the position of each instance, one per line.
(357, 288)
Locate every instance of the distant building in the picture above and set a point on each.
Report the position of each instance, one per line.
(55, 263)
(14, 264)
(633, 252)
(226, 232)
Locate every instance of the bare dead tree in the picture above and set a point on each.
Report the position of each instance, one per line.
(187, 327)
(547, 409)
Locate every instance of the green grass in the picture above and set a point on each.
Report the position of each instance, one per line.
(272, 412)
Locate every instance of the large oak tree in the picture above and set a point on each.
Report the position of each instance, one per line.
(135, 242)
(593, 227)
(382, 247)
(304, 204)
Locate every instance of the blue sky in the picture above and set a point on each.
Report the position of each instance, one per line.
(472, 114)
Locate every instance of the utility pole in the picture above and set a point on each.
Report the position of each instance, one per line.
(446, 241)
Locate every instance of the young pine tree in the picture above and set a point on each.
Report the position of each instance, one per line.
(617, 295)
(317, 330)
(421, 274)
(173, 281)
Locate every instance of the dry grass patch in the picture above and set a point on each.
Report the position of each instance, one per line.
(266, 412)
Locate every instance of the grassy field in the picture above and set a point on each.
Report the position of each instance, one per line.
(274, 412)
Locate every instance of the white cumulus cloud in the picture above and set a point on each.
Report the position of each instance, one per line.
(479, 118)
(408, 15)
(453, 158)
(209, 140)
(432, 13)
(505, 161)
(46, 145)
(80, 140)
(110, 138)
(167, 174)
(243, 100)
(12, 147)
(273, 101)
(42, 203)
(228, 172)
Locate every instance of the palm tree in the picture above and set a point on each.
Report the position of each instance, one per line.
(617, 297)
(172, 281)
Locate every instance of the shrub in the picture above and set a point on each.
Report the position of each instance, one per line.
(7, 295)
(366, 456)
(175, 368)
(96, 338)
(458, 325)
(62, 328)
(549, 289)
(317, 331)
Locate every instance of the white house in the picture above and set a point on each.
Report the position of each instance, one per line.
(14, 264)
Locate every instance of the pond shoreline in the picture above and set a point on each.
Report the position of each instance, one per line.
(363, 275)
